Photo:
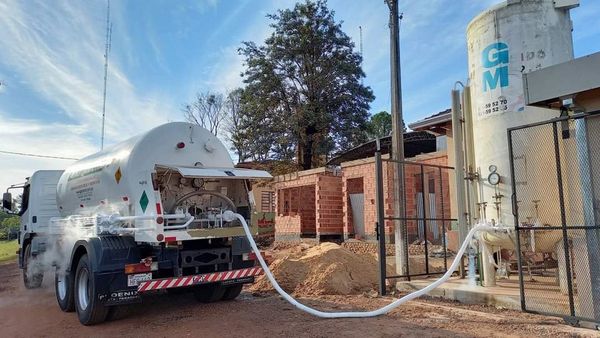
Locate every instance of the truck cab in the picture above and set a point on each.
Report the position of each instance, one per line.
(38, 206)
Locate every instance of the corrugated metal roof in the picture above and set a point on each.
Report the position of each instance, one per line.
(415, 143)
(437, 118)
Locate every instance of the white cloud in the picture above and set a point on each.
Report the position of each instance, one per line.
(55, 50)
(31, 136)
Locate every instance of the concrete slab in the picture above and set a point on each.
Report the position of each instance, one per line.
(504, 295)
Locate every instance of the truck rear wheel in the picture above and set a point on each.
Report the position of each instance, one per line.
(209, 293)
(231, 292)
(31, 277)
(89, 309)
(63, 288)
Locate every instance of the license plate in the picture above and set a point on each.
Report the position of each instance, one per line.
(134, 280)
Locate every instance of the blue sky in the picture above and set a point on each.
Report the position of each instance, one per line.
(163, 52)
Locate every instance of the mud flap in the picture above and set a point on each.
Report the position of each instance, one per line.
(113, 289)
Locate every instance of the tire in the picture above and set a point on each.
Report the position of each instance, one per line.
(231, 292)
(63, 288)
(30, 279)
(89, 309)
(209, 293)
(117, 312)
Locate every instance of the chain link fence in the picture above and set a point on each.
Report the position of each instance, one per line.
(556, 204)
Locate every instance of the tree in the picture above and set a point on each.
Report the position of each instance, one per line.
(380, 125)
(303, 90)
(235, 126)
(207, 111)
(9, 224)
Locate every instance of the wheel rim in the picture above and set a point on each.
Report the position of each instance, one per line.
(61, 285)
(83, 289)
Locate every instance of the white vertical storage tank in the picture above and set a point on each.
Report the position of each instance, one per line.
(509, 39)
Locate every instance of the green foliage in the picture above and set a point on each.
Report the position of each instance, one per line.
(8, 224)
(8, 250)
(380, 125)
(303, 97)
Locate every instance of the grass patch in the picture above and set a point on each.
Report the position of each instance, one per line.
(8, 250)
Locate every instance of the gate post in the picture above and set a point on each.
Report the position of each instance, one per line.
(515, 212)
(563, 218)
(380, 225)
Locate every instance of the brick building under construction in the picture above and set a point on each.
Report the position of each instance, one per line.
(337, 202)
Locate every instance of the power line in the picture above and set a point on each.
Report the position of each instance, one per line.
(36, 155)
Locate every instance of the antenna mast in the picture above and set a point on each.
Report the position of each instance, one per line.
(361, 44)
(361, 50)
(106, 51)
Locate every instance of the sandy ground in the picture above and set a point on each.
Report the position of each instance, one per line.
(34, 313)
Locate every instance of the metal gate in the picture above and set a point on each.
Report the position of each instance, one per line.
(555, 171)
(427, 218)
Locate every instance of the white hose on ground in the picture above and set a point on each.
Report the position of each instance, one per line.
(360, 314)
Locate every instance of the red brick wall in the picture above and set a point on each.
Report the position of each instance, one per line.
(307, 207)
(350, 186)
(366, 171)
(413, 185)
(319, 202)
(354, 173)
(316, 200)
(287, 225)
(330, 202)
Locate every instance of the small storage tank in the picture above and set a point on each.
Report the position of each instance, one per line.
(509, 39)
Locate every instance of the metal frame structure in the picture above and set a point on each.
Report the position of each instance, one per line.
(529, 301)
(382, 218)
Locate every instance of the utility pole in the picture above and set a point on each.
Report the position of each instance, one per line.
(400, 235)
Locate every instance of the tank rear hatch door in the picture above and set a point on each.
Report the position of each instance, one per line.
(223, 173)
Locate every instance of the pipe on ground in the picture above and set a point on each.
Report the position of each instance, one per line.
(357, 314)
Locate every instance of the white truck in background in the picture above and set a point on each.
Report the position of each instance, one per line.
(151, 213)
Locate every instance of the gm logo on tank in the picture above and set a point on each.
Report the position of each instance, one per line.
(495, 60)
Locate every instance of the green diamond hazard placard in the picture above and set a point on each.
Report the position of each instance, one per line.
(144, 201)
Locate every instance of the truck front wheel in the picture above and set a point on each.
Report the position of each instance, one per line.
(63, 288)
(32, 277)
(89, 309)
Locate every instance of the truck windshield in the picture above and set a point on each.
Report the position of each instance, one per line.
(24, 200)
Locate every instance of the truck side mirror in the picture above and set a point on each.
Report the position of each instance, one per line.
(7, 201)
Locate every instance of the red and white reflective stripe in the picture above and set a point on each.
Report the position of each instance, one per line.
(176, 282)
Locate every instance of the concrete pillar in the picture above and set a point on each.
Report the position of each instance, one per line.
(586, 243)
(489, 270)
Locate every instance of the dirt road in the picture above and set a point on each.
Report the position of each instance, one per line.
(34, 313)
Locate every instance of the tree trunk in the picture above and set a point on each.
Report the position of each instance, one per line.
(307, 154)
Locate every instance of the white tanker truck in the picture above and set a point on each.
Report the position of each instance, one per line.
(155, 212)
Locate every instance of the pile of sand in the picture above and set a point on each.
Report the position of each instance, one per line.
(326, 269)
